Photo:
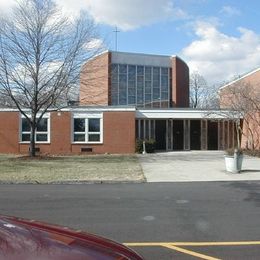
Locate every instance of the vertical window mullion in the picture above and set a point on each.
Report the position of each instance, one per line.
(127, 85)
(86, 130)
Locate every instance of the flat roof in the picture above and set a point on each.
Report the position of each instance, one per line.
(180, 113)
(141, 54)
(166, 113)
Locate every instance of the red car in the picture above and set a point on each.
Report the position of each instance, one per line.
(31, 240)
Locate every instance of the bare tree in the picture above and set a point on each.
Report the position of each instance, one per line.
(41, 54)
(201, 94)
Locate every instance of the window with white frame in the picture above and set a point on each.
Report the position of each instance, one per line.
(87, 129)
(42, 133)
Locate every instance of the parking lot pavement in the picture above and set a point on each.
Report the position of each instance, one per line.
(199, 250)
(150, 212)
(191, 166)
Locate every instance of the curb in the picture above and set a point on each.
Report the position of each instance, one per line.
(73, 182)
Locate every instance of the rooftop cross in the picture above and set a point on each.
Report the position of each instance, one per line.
(116, 32)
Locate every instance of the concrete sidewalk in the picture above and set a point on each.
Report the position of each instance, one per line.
(189, 166)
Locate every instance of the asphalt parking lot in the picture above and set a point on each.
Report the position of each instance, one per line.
(158, 220)
(200, 250)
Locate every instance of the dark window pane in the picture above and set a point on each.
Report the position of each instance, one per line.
(148, 98)
(164, 95)
(140, 92)
(42, 125)
(114, 68)
(131, 91)
(131, 69)
(131, 77)
(122, 68)
(148, 84)
(131, 84)
(148, 73)
(140, 70)
(79, 125)
(79, 138)
(93, 137)
(122, 100)
(25, 125)
(131, 100)
(25, 137)
(41, 138)
(156, 83)
(139, 99)
(122, 79)
(114, 100)
(114, 87)
(156, 94)
(164, 80)
(94, 125)
(165, 88)
(114, 78)
(156, 72)
(164, 71)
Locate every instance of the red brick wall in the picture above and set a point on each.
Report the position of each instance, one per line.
(118, 134)
(228, 93)
(9, 132)
(95, 82)
(60, 132)
(235, 96)
(180, 83)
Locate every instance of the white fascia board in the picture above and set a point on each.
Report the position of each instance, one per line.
(87, 114)
(79, 109)
(46, 115)
(141, 59)
(99, 109)
(9, 110)
(181, 114)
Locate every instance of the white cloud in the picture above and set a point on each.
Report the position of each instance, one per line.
(218, 56)
(230, 10)
(125, 14)
(5, 5)
(72, 7)
(95, 44)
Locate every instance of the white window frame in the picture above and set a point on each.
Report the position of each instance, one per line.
(45, 116)
(86, 117)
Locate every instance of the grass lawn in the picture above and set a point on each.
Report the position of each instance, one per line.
(114, 168)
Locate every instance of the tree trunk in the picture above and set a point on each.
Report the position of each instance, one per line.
(32, 141)
(238, 135)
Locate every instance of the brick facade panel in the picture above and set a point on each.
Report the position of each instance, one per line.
(94, 81)
(180, 83)
(118, 135)
(9, 132)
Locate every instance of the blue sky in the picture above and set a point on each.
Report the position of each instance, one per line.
(219, 39)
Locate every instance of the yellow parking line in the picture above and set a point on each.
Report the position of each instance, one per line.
(175, 246)
(192, 253)
(232, 243)
(147, 244)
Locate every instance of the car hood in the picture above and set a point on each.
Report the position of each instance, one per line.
(32, 240)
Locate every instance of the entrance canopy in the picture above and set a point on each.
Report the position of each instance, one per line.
(184, 113)
(186, 129)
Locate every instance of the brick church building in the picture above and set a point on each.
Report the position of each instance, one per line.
(123, 97)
